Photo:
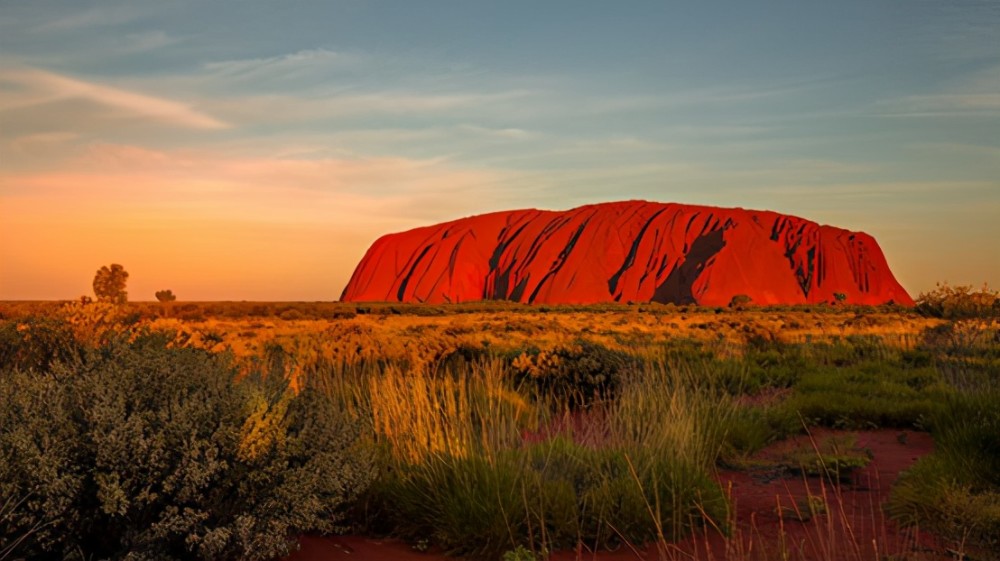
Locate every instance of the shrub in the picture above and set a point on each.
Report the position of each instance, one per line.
(576, 374)
(836, 458)
(877, 395)
(740, 301)
(955, 491)
(955, 302)
(36, 343)
(141, 451)
(291, 314)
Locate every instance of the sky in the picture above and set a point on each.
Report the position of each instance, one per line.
(253, 150)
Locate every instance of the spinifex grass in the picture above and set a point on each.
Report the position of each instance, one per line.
(955, 491)
(417, 415)
(472, 464)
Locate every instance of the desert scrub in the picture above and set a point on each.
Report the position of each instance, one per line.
(959, 301)
(835, 457)
(867, 394)
(462, 471)
(955, 491)
(575, 375)
(555, 493)
(36, 342)
(141, 451)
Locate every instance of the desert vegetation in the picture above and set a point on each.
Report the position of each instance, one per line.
(227, 430)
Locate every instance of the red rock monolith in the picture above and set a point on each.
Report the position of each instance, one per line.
(633, 251)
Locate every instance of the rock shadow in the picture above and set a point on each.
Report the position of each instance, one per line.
(676, 289)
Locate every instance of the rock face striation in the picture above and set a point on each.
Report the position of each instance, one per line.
(634, 251)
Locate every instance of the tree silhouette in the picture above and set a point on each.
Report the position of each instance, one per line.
(165, 295)
(109, 284)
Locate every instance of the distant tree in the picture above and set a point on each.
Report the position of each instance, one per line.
(109, 284)
(840, 297)
(165, 295)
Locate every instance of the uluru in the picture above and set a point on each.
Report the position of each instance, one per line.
(632, 251)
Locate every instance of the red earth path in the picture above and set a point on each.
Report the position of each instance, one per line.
(634, 251)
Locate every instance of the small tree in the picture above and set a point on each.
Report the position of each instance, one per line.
(165, 295)
(109, 284)
(839, 297)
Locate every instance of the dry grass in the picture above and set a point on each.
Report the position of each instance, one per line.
(420, 335)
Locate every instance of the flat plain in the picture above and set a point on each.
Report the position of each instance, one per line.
(493, 430)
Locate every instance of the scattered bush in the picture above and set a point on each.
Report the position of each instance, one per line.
(36, 343)
(291, 314)
(957, 302)
(836, 458)
(955, 492)
(141, 451)
(740, 301)
(577, 374)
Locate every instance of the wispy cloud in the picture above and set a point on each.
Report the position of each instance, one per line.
(279, 65)
(375, 179)
(42, 144)
(57, 137)
(975, 93)
(148, 40)
(943, 105)
(96, 16)
(33, 87)
(286, 108)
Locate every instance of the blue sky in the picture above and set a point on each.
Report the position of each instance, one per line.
(254, 149)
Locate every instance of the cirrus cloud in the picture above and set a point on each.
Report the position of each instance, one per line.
(30, 87)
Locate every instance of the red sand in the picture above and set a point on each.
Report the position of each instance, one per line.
(628, 251)
(854, 517)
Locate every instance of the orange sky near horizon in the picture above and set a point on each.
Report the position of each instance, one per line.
(206, 226)
(216, 236)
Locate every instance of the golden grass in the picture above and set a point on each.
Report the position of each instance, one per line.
(419, 414)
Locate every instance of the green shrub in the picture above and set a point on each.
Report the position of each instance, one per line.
(577, 374)
(836, 458)
(753, 428)
(142, 451)
(867, 394)
(929, 496)
(955, 491)
(35, 343)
